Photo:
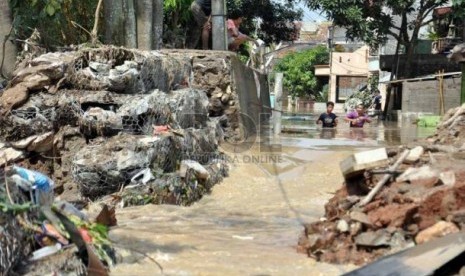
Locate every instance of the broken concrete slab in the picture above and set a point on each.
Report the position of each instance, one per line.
(361, 161)
(414, 155)
(412, 174)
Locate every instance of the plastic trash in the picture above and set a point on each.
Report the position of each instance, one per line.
(45, 251)
(143, 176)
(39, 185)
(69, 209)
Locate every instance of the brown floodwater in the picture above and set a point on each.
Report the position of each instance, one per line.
(250, 223)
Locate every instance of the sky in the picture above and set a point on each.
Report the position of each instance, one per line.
(309, 15)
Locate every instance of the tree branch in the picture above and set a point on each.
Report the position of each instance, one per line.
(94, 33)
(396, 36)
(427, 22)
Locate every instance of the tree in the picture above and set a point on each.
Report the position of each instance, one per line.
(299, 71)
(373, 21)
(268, 20)
(7, 49)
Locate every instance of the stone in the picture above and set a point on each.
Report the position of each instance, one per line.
(412, 173)
(10, 155)
(42, 143)
(373, 239)
(126, 82)
(361, 161)
(36, 82)
(50, 71)
(225, 98)
(342, 226)
(23, 143)
(360, 217)
(414, 155)
(128, 64)
(199, 171)
(440, 229)
(399, 243)
(13, 97)
(355, 228)
(101, 68)
(447, 178)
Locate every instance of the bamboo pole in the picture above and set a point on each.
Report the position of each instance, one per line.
(385, 178)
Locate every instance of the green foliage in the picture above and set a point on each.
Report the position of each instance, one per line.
(323, 94)
(370, 21)
(299, 71)
(177, 13)
(266, 19)
(15, 209)
(364, 97)
(54, 20)
(373, 82)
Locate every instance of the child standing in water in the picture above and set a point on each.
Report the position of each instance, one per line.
(358, 117)
(328, 119)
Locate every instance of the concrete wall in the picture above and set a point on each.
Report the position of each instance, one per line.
(253, 93)
(347, 64)
(423, 96)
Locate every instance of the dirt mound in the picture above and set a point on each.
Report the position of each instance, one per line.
(423, 199)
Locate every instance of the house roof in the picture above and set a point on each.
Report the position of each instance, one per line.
(309, 27)
(442, 11)
(427, 77)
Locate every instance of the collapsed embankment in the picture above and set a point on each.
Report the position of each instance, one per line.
(121, 126)
(422, 200)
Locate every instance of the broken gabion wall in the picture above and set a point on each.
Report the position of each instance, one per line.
(92, 119)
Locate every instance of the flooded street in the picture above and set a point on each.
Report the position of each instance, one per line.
(249, 224)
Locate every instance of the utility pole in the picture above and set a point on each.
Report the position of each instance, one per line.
(219, 25)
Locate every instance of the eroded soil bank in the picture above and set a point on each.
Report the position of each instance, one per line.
(423, 200)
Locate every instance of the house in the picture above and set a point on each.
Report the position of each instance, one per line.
(348, 69)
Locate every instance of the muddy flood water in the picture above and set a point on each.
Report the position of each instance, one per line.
(249, 224)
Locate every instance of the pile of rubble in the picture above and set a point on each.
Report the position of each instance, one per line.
(394, 199)
(98, 120)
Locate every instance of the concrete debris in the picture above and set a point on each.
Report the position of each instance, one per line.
(424, 203)
(342, 226)
(414, 155)
(412, 174)
(358, 162)
(373, 239)
(440, 229)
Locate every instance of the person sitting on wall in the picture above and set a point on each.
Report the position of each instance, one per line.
(235, 37)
